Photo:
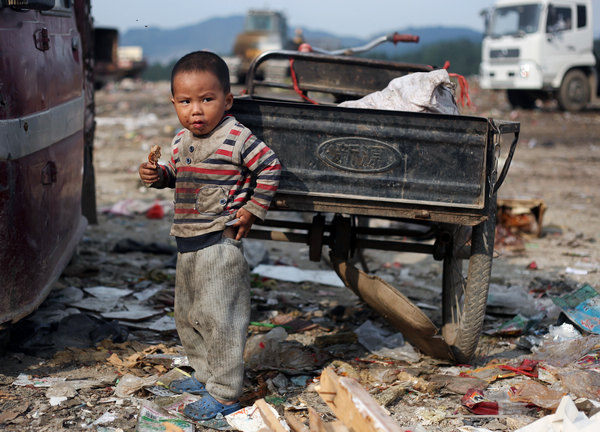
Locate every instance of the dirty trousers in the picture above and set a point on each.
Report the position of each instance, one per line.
(212, 313)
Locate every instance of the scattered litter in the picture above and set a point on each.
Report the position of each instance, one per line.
(293, 323)
(582, 307)
(153, 418)
(497, 402)
(61, 391)
(129, 384)
(163, 324)
(176, 408)
(581, 382)
(156, 211)
(385, 343)
(521, 216)
(93, 304)
(132, 312)
(26, 380)
(477, 403)
(148, 293)
(107, 417)
(131, 207)
(297, 275)
(561, 333)
(271, 351)
(57, 400)
(107, 292)
(576, 271)
(174, 360)
(161, 391)
(537, 394)
(511, 300)
(566, 418)
(565, 352)
(516, 326)
(248, 419)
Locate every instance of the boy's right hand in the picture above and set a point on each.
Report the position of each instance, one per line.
(149, 173)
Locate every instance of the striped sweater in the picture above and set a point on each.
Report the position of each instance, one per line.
(217, 174)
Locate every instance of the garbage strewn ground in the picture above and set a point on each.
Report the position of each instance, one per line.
(100, 351)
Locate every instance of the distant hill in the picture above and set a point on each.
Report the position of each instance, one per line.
(218, 35)
(163, 46)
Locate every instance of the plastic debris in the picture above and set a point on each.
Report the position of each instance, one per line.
(248, 419)
(153, 418)
(297, 275)
(385, 343)
(565, 352)
(566, 418)
(581, 382)
(430, 92)
(477, 403)
(537, 394)
(511, 300)
(155, 212)
(582, 307)
(271, 351)
(129, 384)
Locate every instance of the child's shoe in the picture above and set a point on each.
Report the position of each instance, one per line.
(187, 385)
(208, 407)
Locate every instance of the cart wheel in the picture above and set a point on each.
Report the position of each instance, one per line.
(465, 284)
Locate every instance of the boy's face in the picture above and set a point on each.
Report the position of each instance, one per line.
(199, 101)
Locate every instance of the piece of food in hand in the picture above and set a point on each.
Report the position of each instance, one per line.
(154, 155)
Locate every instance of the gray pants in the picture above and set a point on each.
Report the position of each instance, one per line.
(212, 313)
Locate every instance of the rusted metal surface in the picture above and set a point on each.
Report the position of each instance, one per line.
(342, 77)
(42, 128)
(372, 162)
(425, 168)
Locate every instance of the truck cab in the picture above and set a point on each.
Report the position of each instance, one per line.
(541, 50)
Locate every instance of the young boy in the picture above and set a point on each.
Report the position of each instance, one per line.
(224, 178)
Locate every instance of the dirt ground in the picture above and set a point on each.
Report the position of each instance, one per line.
(556, 163)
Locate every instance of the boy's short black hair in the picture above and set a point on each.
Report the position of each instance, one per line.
(203, 61)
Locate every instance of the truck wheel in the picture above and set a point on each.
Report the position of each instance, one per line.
(574, 93)
(465, 284)
(521, 99)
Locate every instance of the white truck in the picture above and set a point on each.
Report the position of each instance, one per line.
(541, 49)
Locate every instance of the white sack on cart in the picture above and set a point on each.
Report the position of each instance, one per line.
(431, 92)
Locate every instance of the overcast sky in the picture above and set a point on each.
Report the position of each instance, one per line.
(360, 18)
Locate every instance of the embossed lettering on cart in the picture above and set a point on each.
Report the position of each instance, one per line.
(358, 154)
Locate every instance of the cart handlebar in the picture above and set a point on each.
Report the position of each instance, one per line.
(393, 37)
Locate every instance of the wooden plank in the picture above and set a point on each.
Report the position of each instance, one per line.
(353, 405)
(315, 422)
(270, 416)
(294, 424)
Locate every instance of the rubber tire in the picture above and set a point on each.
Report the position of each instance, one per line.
(465, 285)
(521, 99)
(574, 92)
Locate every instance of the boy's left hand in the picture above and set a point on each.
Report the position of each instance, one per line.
(246, 219)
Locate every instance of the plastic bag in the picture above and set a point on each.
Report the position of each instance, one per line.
(129, 384)
(581, 382)
(535, 393)
(270, 351)
(418, 92)
(261, 348)
(565, 352)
